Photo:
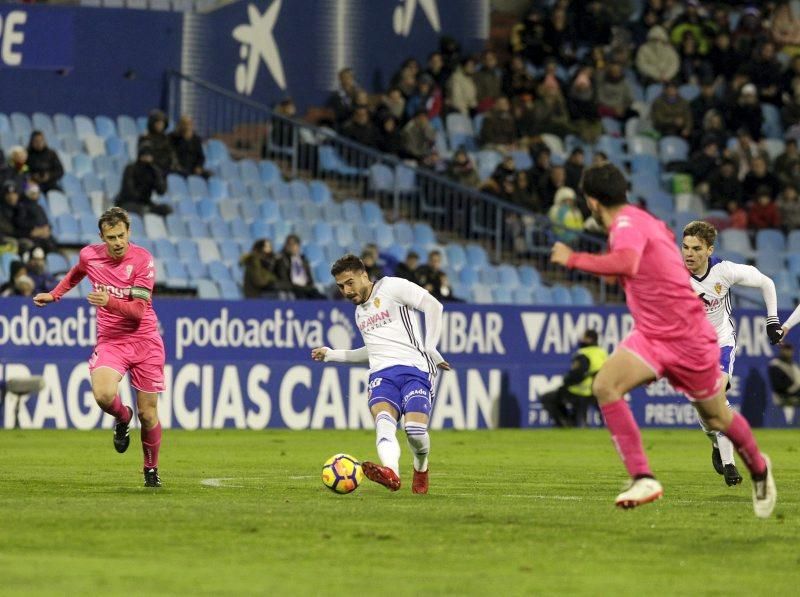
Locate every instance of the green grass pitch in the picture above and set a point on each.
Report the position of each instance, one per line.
(510, 512)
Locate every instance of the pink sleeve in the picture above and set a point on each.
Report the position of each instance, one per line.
(71, 280)
(133, 309)
(620, 262)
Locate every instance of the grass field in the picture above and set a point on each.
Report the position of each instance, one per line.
(509, 513)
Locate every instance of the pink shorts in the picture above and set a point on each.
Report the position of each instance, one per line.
(143, 358)
(691, 365)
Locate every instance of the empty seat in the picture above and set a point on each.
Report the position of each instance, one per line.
(456, 257)
(529, 276)
(372, 213)
(105, 127)
(320, 193)
(523, 296)
(188, 251)
(64, 125)
(381, 178)
(21, 125)
(581, 296)
(57, 203)
(736, 240)
(84, 127)
(770, 240)
(482, 295)
(508, 276)
(197, 186)
(229, 290)
(43, 122)
(206, 289)
(673, 149)
(424, 234)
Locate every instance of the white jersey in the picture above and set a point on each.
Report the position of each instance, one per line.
(713, 288)
(390, 327)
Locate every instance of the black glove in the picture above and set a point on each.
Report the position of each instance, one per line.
(774, 330)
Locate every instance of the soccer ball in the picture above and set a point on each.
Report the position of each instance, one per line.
(342, 473)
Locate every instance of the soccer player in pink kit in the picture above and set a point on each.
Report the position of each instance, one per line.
(671, 338)
(122, 275)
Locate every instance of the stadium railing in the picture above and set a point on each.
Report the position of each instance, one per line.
(510, 233)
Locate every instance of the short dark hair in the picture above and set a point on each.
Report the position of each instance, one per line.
(702, 230)
(606, 183)
(348, 263)
(113, 216)
(591, 335)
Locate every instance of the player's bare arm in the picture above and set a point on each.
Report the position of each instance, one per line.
(318, 354)
(43, 298)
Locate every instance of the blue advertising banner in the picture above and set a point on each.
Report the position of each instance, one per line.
(36, 37)
(247, 365)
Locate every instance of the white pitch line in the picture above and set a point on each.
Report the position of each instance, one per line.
(218, 482)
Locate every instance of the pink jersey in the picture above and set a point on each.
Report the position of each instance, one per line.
(659, 295)
(129, 278)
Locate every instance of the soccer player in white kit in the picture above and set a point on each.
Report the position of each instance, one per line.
(402, 364)
(712, 279)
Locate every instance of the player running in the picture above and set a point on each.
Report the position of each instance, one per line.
(711, 280)
(671, 337)
(122, 275)
(402, 366)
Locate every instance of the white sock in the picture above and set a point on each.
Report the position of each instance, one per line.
(386, 441)
(725, 448)
(711, 435)
(420, 442)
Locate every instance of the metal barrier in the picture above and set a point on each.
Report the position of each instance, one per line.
(509, 233)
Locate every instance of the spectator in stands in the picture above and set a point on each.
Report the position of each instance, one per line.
(188, 148)
(656, 60)
(294, 272)
(160, 145)
(704, 162)
(341, 100)
(488, 81)
(10, 212)
(461, 170)
(745, 152)
(786, 28)
(408, 269)
(765, 73)
(760, 178)
(389, 138)
(694, 65)
(32, 223)
(749, 33)
(650, 18)
(706, 100)
(45, 166)
(499, 130)
(582, 105)
(724, 186)
(787, 165)
(139, 181)
(573, 168)
(43, 280)
(789, 208)
(567, 406)
(392, 104)
(791, 76)
(427, 97)
(528, 38)
(527, 121)
(406, 79)
(784, 377)
(723, 58)
(360, 128)
(370, 258)
(503, 179)
(764, 212)
(549, 185)
(17, 270)
(559, 36)
(790, 113)
(671, 113)
(436, 70)
(694, 25)
(259, 270)
(614, 94)
(551, 110)
(565, 216)
(517, 80)
(430, 274)
(462, 95)
(419, 139)
(737, 215)
(446, 290)
(17, 166)
(593, 23)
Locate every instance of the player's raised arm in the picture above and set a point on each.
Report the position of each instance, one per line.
(67, 283)
(747, 275)
(329, 355)
(792, 321)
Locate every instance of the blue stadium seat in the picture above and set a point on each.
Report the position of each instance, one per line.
(488, 275)
(522, 160)
(217, 188)
(343, 233)
(281, 191)
(176, 226)
(611, 146)
(186, 207)
(424, 234)
(112, 184)
(736, 240)
(406, 179)
(126, 127)
(523, 296)
(323, 233)
(290, 211)
(234, 188)
(487, 161)
(455, 255)
(320, 192)
(793, 242)
(351, 210)
(771, 127)
(229, 250)
(91, 183)
(87, 225)
(543, 295)
(196, 270)
(611, 126)
(322, 270)
(770, 264)
(529, 276)
(689, 91)
(372, 213)
(640, 145)
(58, 203)
(84, 127)
(21, 126)
(457, 122)
(64, 125)
(502, 295)
(404, 234)
(314, 253)
(239, 229)
(218, 271)
(561, 295)
(299, 191)
(770, 240)
(673, 149)
(311, 211)
(476, 255)
(329, 161)
(176, 273)
(56, 263)
(197, 186)
(216, 151)
(468, 276)
(508, 276)
(81, 164)
(248, 170)
(102, 165)
(105, 127)
(261, 229)
(482, 295)
(218, 228)
(188, 251)
(645, 164)
(43, 122)
(164, 249)
(79, 203)
(652, 92)
(206, 209)
(116, 147)
(581, 297)
(229, 290)
(228, 170)
(268, 210)
(397, 251)
(381, 178)
(141, 124)
(332, 212)
(268, 172)
(206, 289)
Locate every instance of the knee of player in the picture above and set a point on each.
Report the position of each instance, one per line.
(604, 390)
(103, 396)
(148, 417)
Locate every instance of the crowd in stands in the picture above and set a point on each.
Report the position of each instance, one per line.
(720, 76)
(288, 275)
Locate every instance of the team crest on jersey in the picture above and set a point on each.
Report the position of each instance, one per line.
(377, 303)
(718, 288)
(128, 270)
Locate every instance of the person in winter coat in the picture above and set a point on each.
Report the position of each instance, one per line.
(461, 91)
(566, 217)
(160, 145)
(259, 270)
(764, 212)
(671, 114)
(656, 59)
(44, 165)
(139, 180)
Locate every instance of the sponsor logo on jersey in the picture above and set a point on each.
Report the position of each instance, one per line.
(113, 290)
(128, 271)
(374, 321)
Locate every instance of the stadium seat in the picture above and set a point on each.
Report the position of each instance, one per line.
(523, 296)
(218, 271)
(581, 297)
(508, 276)
(198, 188)
(322, 270)
(683, 202)
(57, 203)
(555, 143)
(229, 250)
(771, 127)
(298, 191)
(228, 170)
(217, 188)
(79, 204)
(522, 160)
(116, 147)
(736, 240)
(640, 145)
(216, 151)
(372, 214)
(487, 161)
(343, 233)
(218, 228)
(689, 91)
(502, 295)
(320, 192)
(176, 227)
(773, 147)
(329, 161)
(290, 211)
(468, 276)
(543, 295)
(652, 92)
(105, 127)
(64, 125)
(457, 122)
(561, 295)
(381, 178)
(770, 264)
(188, 251)
(21, 126)
(611, 126)
(424, 234)
(268, 210)
(261, 229)
(322, 233)
(455, 255)
(176, 273)
(476, 255)
(488, 275)
(42, 122)
(770, 240)
(482, 295)
(673, 149)
(529, 276)
(206, 289)
(84, 127)
(404, 234)
(314, 253)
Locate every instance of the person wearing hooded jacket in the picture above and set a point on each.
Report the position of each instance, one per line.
(656, 59)
(43, 163)
(159, 143)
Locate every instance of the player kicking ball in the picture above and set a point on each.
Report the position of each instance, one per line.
(402, 366)
(671, 338)
(711, 280)
(122, 275)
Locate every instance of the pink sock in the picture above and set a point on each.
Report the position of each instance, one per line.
(741, 435)
(151, 442)
(118, 410)
(626, 437)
